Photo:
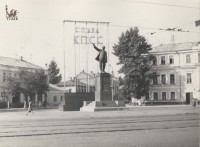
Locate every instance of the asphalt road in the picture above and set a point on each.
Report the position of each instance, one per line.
(139, 128)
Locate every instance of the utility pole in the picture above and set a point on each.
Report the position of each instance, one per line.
(64, 52)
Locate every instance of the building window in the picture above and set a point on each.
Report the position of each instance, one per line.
(147, 97)
(199, 57)
(172, 79)
(155, 95)
(172, 95)
(155, 81)
(171, 60)
(154, 61)
(189, 78)
(163, 79)
(188, 59)
(61, 98)
(55, 98)
(3, 94)
(164, 95)
(162, 60)
(4, 77)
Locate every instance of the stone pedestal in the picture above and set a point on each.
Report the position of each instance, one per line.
(103, 96)
(103, 91)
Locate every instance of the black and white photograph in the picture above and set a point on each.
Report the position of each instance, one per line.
(100, 73)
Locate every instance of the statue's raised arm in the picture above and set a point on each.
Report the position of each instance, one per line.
(102, 58)
(96, 47)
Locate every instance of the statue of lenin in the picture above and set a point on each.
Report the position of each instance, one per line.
(102, 58)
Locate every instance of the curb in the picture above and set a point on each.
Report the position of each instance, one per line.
(22, 109)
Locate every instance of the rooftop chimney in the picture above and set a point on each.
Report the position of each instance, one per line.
(22, 58)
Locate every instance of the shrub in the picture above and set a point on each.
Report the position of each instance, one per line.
(18, 105)
(157, 102)
(3, 104)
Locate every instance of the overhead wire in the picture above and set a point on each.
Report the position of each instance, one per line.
(161, 29)
(126, 26)
(161, 4)
(186, 24)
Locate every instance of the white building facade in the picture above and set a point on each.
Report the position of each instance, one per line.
(10, 67)
(178, 70)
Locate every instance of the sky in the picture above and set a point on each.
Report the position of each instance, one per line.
(38, 33)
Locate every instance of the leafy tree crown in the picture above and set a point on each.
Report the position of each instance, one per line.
(132, 51)
(53, 73)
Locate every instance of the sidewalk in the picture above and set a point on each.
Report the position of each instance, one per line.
(24, 109)
(128, 108)
(157, 106)
(137, 111)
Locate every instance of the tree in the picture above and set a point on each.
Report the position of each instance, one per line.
(40, 83)
(14, 86)
(132, 51)
(28, 83)
(121, 82)
(53, 72)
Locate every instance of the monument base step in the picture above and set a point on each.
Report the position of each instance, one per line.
(93, 106)
(95, 109)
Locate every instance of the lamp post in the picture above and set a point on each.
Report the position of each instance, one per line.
(112, 85)
(6, 7)
(47, 73)
(46, 64)
(111, 67)
(198, 92)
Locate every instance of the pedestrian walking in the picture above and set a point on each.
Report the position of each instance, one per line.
(30, 107)
(194, 103)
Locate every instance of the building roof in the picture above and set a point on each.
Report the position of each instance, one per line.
(55, 88)
(6, 61)
(91, 74)
(71, 83)
(175, 47)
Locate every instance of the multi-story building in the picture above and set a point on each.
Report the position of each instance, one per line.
(178, 70)
(55, 95)
(9, 67)
(85, 82)
(88, 79)
(73, 86)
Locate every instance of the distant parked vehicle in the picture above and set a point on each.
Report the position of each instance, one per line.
(135, 101)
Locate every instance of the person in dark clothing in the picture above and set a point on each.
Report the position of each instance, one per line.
(194, 102)
(30, 107)
(102, 58)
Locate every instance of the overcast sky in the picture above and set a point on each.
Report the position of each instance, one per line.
(38, 34)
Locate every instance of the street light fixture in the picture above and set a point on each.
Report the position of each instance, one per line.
(46, 64)
(112, 68)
